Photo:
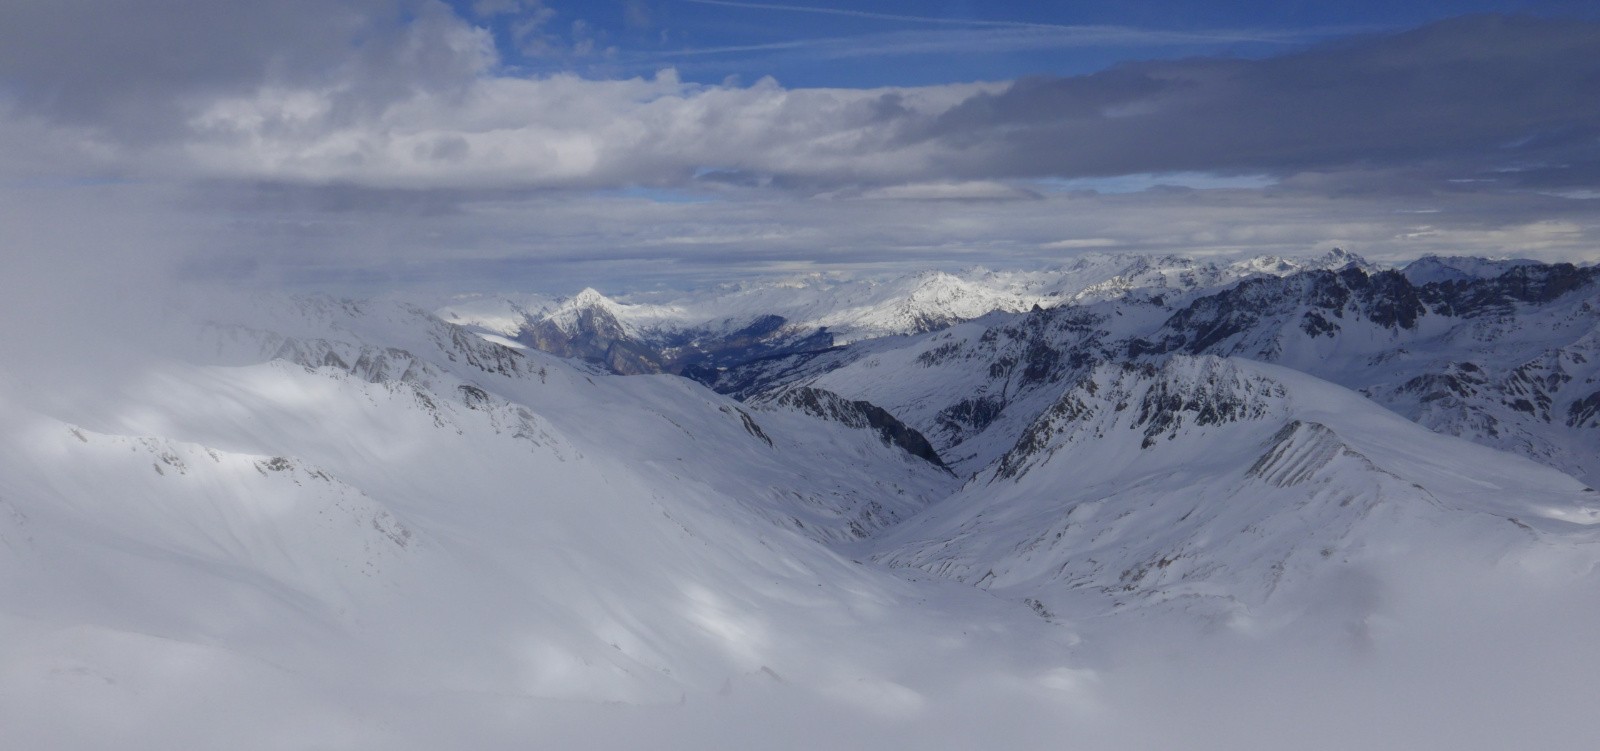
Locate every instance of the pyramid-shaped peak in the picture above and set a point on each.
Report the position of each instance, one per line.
(589, 297)
(1339, 258)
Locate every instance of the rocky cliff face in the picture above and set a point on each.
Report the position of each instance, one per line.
(1156, 403)
(588, 328)
(588, 331)
(860, 415)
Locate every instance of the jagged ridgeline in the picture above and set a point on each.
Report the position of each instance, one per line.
(1503, 353)
(1210, 484)
(707, 332)
(1124, 384)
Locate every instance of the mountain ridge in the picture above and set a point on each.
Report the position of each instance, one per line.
(300, 498)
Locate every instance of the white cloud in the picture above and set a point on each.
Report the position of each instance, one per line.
(1081, 243)
(426, 104)
(968, 190)
(560, 131)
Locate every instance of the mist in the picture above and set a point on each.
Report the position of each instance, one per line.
(1469, 655)
(90, 274)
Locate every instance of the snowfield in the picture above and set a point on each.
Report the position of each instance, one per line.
(321, 523)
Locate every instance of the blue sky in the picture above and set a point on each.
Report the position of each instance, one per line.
(910, 43)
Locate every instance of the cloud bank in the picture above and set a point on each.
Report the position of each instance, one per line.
(426, 106)
(387, 142)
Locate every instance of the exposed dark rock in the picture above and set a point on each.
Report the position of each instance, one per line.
(595, 335)
(971, 415)
(1534, 283)
(1460, 381)
(1324, 300)
(1585, 412)
(1036, 439)
(750, 425)
(1204, 403)
(861, 415)
(938, 354)
(473, 397)
(1163, 401)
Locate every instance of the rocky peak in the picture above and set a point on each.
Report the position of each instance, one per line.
(1154, 402)
(587, 327)
(1339, 259)
(1319, 302)
(590, 297)
(1429, 269)
(1536, 284)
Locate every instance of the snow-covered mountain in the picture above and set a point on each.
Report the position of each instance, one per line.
(1459, 268)
(495, 314)
(1503, 359)
(409, 528)
(1210, 484)
(699, 332)
(1506, 360)
(362, 496)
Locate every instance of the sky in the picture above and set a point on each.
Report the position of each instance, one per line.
(373, 146)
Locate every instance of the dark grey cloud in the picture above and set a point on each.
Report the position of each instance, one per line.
(410, 97)
(378, 144)
(138, 72)
(125, 62)
(1468, 94)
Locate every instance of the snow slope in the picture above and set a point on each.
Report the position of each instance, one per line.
(317, 522)
(448, 517)
(495, 314)
(1210, 484)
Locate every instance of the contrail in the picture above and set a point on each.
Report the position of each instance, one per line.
(884, 16)
(1266, 36)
